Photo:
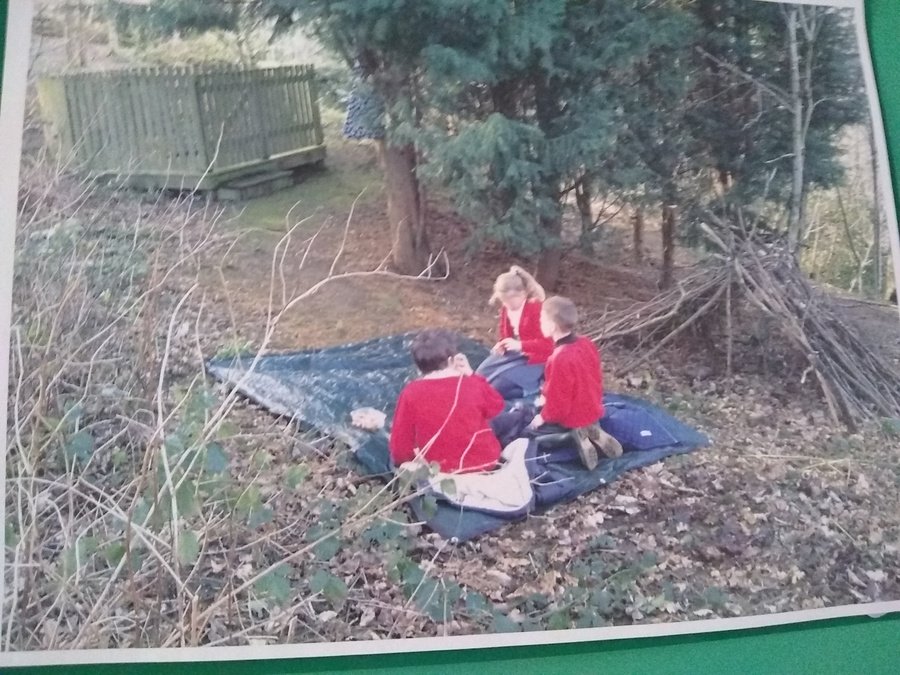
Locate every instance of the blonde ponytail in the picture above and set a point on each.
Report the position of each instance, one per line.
(533, 289)
(517, 279)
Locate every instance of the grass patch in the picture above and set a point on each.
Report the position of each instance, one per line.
(349, 168)
(323, 191)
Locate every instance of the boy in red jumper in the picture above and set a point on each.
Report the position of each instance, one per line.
(443, 416)
(573, 385)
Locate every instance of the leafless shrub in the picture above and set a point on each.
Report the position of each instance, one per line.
(132, 517)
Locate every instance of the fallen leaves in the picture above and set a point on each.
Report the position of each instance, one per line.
(877, 576)
(625, 504)
(764, 521)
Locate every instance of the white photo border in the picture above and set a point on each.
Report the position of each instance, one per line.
(12, 121)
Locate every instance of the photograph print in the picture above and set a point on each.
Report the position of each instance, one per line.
(358, 322)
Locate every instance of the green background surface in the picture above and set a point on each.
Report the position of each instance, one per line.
(858, 645)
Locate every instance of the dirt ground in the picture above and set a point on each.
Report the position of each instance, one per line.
(356, 309)
(783, 512)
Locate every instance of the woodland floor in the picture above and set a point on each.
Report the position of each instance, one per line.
(782, 512)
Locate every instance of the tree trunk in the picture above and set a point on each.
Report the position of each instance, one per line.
(405, 208)
(851, 245)
(503, 96)
(799, 146)
(583, 199)
(550, 260)
(547, 109)
(814, 258)
(861, 270)
(115, 41)
(877, 272)
(725, 180)
(810, 21)
(669, 216)
(638, 235)
(549, 265)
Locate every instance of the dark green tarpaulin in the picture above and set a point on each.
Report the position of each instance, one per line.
(320, 387)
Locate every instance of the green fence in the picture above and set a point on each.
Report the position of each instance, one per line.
(184, 127)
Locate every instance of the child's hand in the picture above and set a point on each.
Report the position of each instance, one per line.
(536, 422)
(540, 401)
(510, 344)
(498, 348)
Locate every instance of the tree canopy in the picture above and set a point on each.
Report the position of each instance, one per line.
(515, 103)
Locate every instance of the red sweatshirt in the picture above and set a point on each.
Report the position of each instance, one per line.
(573, 383)
(465, 442)
(534, 345)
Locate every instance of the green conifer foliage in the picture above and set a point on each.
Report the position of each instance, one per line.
(514, 103)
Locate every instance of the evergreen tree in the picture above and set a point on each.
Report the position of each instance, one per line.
(387, 40)
(656, 100)
(765, 113)
(551, 106)
(163, 18)
(514, 103)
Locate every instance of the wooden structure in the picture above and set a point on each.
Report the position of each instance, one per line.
(186, 128)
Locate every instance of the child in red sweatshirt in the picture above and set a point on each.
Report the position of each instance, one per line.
(516, 363)
(444, 416)
(572, 395)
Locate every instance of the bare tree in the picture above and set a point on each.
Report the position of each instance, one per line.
(799, 143)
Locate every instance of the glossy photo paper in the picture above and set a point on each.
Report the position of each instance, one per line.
(383, 327)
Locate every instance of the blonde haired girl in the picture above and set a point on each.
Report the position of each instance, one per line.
(516, 363)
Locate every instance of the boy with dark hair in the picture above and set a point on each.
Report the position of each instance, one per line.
(572, 395)
(443, 416)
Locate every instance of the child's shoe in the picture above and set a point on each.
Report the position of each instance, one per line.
(605, 443)
(587, 449)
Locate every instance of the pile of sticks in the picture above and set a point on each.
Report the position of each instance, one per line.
(857, 383)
